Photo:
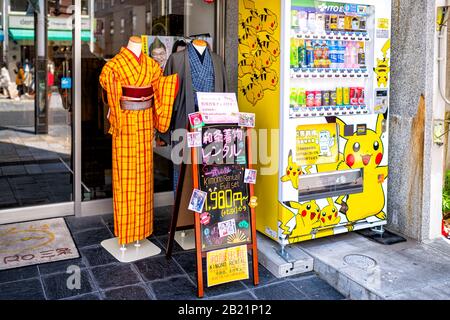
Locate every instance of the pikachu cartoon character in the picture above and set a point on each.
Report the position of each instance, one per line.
(293, 171)
(269, 44)
(246, 65)
(252, 91)
(364, 152)
(253, 21)
(268, 79)
(305, 219)
(268, 20)
(382, 69)
(263, 59)
(329, 217)
(248, 42)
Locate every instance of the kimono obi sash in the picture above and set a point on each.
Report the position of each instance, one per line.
(136, 98)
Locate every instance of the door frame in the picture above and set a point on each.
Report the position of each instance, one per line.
(77, 207)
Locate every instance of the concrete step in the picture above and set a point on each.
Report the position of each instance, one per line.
(361, 269)
(295, 262)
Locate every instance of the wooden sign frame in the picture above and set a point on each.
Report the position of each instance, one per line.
(175, 224)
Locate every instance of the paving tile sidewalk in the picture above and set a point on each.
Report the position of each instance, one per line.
(155, 278)
(363, 269)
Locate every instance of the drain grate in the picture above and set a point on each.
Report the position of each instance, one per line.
(360, 261)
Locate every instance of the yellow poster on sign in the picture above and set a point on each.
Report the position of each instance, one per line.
(317, 144)
(227, 265)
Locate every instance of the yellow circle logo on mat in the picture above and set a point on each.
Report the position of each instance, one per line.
(11, 241)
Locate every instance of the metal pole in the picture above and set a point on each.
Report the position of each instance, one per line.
(220, 28)
(41, 100)
(76, 65)
(5, 18)
(91, 12)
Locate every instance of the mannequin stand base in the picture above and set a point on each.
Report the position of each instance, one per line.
(132, 253)
(186, 239)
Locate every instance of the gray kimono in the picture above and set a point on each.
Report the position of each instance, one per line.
(184, 103)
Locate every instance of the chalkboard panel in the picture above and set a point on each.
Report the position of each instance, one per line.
(225, 220)
(223, 145)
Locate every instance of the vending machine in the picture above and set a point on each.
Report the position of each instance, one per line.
(333, 92)
(334, 118)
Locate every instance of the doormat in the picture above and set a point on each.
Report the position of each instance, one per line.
(36, 242)
(387, 238)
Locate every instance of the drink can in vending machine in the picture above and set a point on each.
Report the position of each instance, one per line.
(353, 96)
(318, 98)
(310, 98)
(339, 96)
(346, 95)
(325, 98)
(361, 96)
(333, 98)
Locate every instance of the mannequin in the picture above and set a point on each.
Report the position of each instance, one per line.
(140, 100)
(200, 45)
(135, 46)
(201, 71)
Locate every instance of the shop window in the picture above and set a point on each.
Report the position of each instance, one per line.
(169, 20)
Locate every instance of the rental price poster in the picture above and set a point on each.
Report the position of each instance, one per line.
(227, 265)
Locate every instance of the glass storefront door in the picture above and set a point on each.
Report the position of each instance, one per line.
(55, 150)
(116, 22)
(36, 166)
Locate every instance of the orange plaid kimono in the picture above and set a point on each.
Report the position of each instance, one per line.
(133, 133)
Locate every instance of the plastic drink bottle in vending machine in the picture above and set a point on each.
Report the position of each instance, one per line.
(310, 98)
(361, 96)
(362, 23)
(294, 53)
(303, 20)
(355, 23)
(333, 55)
(348, 23)
(346, 96)
(361, 56)
(327, 22)
(339, 96)
(353, 55)
(326, 98)
(341, 23)
(302, 63)
(301, 97)
(341, 54)
(320, 23)
(347, 63)
(317, 98)
(309, 54)
(317, 55)
(311, 21)
(325, 55)
(353, 96)
(333, 22)
(333, 97)
(293, 97)
(294, 18)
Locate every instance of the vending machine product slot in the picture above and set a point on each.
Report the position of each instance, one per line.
(330, 184)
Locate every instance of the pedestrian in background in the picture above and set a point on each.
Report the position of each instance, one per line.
(5, 79)
(20, 79)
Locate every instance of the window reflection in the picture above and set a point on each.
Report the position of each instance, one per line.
(115, 22)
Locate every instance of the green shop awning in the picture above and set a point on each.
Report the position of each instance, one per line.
(53, 35)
